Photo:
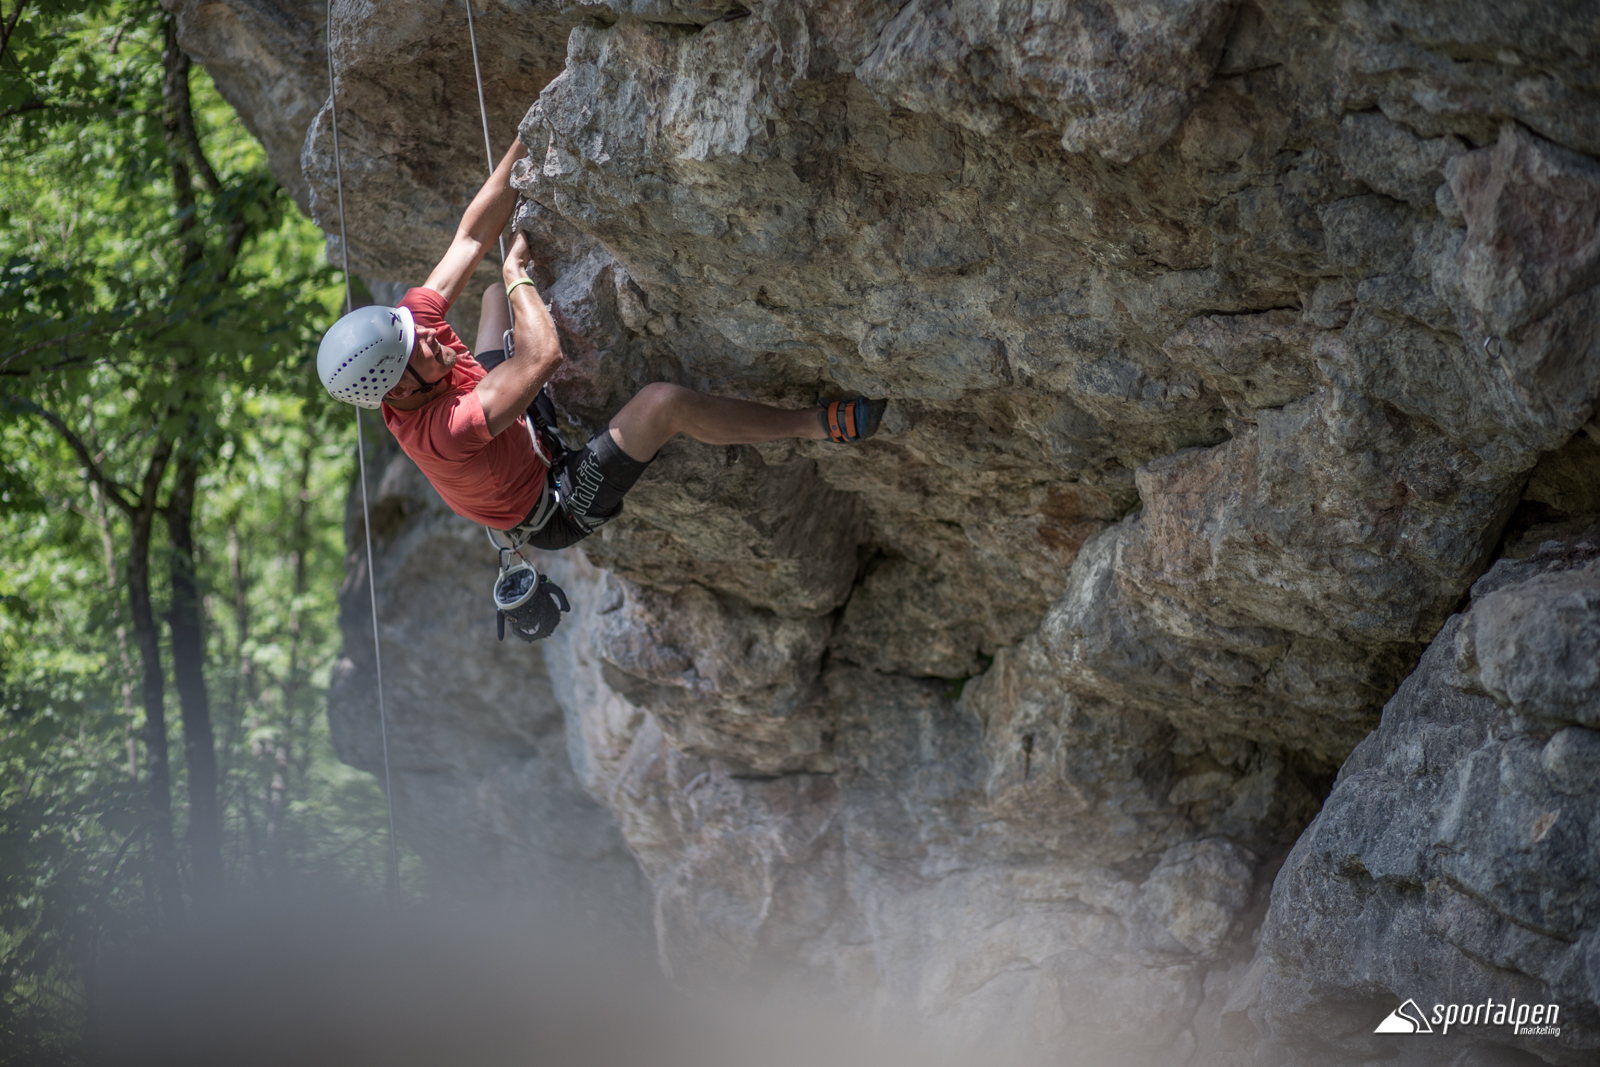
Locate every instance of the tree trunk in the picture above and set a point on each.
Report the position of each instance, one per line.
(187, 623)
(148, 637)
(243, 715)
(288, 771)
(178, 128)
(244, 684)
(108, 549)
(186, 618)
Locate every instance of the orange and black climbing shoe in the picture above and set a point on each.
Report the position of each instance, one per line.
(852, 420)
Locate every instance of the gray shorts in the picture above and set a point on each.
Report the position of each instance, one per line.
(589, 484)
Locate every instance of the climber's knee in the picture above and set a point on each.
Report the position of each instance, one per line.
(651, 419)
(661, 406)
(662, 399)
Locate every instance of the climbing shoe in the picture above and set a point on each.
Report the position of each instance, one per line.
(852, 420)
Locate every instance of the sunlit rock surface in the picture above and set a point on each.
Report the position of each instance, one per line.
(1227, 347)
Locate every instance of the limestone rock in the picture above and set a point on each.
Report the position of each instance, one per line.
(463, 708)
(270, 62)
(1394, 161)
(1454, 860)
(1227, 344)
(724, 682)
(1116, 77)
(1533, 227)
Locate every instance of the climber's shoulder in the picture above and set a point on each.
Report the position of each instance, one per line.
(425, 302)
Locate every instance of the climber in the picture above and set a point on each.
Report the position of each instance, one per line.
(461, 420)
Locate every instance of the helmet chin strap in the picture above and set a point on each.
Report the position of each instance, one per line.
(427, 386)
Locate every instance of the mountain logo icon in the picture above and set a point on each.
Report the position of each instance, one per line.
(1406, 1019)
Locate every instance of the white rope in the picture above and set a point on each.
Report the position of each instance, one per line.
(361, 448)
(483, 114)
(392, 886)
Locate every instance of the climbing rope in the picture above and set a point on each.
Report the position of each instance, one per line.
(483, 115)
(392, 882)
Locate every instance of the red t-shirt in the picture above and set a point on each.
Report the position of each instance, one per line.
(494, 481)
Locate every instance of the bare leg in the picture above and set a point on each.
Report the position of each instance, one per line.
(659, 412)
(494, 321)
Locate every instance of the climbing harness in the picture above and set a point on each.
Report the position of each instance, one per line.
(392, 881)
(532, 602)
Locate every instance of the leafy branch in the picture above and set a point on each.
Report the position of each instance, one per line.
(11, 26)
(27, 350)
(120, 494)
(31, 104)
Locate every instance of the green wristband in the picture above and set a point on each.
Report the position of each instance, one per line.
(513, 285)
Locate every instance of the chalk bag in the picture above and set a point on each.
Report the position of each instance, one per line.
(531, 603)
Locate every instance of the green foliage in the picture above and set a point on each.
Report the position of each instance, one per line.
(66, 807)
(66, 812)
(44, 78)
(83, 289)
(134, 313)
(274, 512)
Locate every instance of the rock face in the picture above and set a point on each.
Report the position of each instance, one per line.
(482, 783)
(1227, 347)
(1455, 859)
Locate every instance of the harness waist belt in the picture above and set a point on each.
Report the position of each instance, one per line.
(539, 517)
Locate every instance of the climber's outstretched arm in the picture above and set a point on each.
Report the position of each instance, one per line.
(506, 391)
(485, 219)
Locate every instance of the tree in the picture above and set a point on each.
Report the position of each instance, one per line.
(162, 440)
(172, 483)
(177, 322)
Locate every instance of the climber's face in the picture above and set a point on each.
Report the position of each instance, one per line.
(429, 365)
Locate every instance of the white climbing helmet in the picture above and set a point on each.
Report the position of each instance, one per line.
(364, 354)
